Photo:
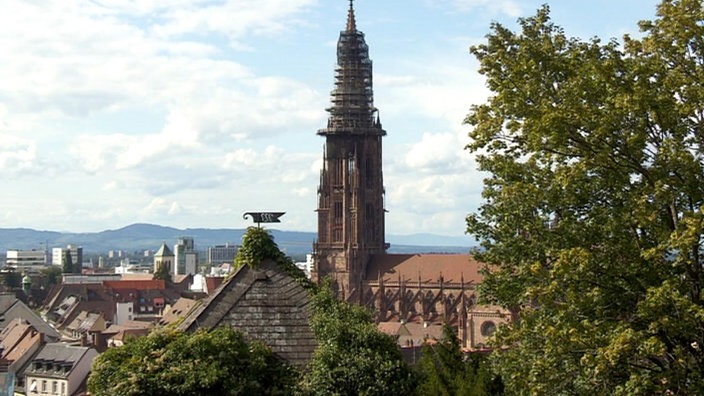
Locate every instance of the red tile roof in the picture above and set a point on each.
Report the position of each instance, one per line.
(153, 284)
(428, 267)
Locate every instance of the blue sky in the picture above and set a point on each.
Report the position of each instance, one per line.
(188, 113)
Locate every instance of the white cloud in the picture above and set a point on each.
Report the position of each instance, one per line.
(508, 7)
(17, 154)
(435, 152)
(189, 112)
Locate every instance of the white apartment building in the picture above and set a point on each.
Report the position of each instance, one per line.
(57, 255)
(25, 258)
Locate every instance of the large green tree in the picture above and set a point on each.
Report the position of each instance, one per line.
(52, 275)
(593, 215)
(353, 356)
(446, 371)
(170, 362)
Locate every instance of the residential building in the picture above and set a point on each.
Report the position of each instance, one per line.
(19, 342)
(118, 301)
(13, 309)
(178, 311)
(58, 369)
(116, 335)
(85, 328)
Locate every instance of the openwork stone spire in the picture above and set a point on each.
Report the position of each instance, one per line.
(351, 191)
(351, 23)
(352, 99)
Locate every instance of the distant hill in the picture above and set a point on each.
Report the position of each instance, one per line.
(140, 237)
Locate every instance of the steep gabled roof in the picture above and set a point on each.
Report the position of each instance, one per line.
(164, 251)
(179, 310)
(265, 304)
(14, 309)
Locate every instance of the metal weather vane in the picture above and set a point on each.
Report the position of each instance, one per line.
(264, 217)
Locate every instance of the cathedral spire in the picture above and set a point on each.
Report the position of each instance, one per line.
(351, 23)
(351, 191)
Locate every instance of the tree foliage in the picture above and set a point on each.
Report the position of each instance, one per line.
(258, 245)
(67, 262)
(170, 362)
(163, 272)
(12, 279)
(353, 356)
(52, 275)
(446, 371)
(593, 215)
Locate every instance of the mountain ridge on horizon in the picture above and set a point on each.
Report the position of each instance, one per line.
(145, 236)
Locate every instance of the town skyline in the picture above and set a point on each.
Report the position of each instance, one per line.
(189, 114)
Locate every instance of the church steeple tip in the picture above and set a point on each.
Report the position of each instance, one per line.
(351, 23)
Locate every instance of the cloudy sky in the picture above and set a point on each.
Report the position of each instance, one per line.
(188, 113)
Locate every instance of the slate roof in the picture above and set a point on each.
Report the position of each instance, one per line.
(6, 301)
(59, 354)
(85, 322)
(11, 308)
(179, 310)
(265, 304)
(17, 338)
(427, 267)
(164, 251)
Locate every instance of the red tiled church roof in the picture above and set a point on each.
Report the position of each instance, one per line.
(428, 267)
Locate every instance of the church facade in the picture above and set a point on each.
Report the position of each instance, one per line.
(427, 289)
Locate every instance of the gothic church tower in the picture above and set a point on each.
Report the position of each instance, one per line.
(351, 191)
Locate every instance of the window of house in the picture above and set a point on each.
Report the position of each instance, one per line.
(55, 387)
(33, 386)
(63, 388)
(43, 386)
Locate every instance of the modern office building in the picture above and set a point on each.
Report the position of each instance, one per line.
(186, 256)
(76, 252)
(26, 258)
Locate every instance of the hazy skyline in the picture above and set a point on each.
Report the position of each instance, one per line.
(188, 113)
